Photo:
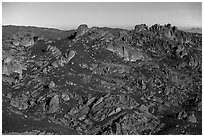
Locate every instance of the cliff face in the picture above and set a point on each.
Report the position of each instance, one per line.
(102, 80)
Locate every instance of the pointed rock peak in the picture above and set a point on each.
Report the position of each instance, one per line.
(81, 30)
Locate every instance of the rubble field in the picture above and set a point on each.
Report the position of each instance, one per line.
(101, 81)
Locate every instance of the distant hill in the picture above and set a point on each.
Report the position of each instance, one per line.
(193, 30)
(46, 33)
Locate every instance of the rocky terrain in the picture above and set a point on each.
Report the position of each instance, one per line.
(101, 81)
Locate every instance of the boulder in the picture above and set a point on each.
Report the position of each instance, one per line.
(51, 85)
(71, 55)
(53, 104)
(20, 102)
(26, 41)
(192, 118)
(65, 97)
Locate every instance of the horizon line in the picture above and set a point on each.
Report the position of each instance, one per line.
(72, 28)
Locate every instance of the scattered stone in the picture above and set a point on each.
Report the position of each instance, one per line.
(104, 80)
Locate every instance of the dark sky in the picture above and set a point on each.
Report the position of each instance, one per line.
(69, 15)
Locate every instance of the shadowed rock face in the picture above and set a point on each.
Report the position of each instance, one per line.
(102, 81)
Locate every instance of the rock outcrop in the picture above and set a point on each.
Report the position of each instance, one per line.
(141, 27)
(24, 38)
(81, 30)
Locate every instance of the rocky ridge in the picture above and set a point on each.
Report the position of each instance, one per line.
(106, 81)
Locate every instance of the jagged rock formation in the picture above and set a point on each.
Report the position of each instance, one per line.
(102, 81)
(141, 27)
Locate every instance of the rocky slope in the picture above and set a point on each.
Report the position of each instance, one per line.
(101, 81)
